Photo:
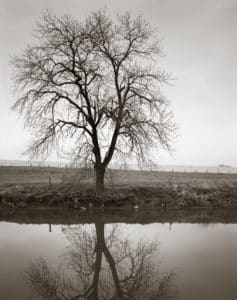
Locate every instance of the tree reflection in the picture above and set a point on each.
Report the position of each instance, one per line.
(99, 266)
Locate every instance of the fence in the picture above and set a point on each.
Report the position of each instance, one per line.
(162, 168)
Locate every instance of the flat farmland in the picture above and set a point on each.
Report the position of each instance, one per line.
(30, 175)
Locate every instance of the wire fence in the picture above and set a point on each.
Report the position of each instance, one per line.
(222, 169)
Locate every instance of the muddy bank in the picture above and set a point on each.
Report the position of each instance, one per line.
(62, 216)
(84, 197)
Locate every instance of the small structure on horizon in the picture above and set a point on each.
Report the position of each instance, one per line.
(224, 166)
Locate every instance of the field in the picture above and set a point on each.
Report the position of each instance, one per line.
(28, 175)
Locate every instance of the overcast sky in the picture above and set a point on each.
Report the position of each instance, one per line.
(200, 39)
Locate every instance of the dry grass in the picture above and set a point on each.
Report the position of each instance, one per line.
(24, 175)
(71, 187)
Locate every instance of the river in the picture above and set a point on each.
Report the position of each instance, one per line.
(123, 255)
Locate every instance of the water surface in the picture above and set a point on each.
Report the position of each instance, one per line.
(118, 260)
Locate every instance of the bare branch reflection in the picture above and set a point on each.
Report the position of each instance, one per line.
(101, 266)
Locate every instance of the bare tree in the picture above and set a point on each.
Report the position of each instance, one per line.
(97, 83)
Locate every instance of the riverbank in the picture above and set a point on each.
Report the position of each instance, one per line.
(45, 215)
(83, 196)
(72, 188)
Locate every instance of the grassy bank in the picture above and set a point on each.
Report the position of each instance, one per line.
(22, 187)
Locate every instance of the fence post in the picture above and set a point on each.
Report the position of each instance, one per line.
(50, 181)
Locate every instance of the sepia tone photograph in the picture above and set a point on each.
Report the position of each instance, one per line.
(118, 164)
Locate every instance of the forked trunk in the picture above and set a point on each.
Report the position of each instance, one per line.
(99, 178)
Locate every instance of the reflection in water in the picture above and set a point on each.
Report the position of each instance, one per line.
(100, 266)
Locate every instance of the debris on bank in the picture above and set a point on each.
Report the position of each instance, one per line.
(84, 197)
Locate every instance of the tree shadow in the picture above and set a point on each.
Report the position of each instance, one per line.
(98, 266)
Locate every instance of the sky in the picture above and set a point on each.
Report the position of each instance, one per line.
(199, 38)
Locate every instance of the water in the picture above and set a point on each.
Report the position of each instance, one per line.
(119, 259)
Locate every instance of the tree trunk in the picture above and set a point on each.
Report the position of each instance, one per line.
(99, 178)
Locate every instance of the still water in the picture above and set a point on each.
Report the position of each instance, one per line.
(99, 260)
